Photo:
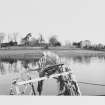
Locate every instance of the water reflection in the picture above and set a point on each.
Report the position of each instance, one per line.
(27, 62)
(12, 65)
(84, 59)
(23, 69)
(2, 70)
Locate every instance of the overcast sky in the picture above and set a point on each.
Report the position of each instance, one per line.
(72, 20)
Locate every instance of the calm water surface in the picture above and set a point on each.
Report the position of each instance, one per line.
(86, 69)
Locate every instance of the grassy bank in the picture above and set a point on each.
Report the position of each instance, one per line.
(33, 53)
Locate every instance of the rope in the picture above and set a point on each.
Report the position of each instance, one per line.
(92, 83)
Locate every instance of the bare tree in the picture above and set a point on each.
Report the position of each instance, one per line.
(9, 37)
(15, 34)
(41, 39)
(2, 36)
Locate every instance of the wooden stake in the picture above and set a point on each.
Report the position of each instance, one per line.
(42, 78)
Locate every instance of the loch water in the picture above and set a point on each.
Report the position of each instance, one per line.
(89, 72)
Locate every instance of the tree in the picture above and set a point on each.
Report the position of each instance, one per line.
(41, 39)
(76, 44)
(25, 41)
(15, 34)
(53, 41)
(34, 42)
(9, 38)
(2, 35)
(68, 44)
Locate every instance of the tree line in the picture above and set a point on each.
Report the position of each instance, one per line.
(29, 40)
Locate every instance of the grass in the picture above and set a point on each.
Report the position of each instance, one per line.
(36, 52)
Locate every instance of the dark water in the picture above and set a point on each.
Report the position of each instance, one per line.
(86, 69)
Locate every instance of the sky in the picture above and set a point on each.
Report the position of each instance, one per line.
(70, 20)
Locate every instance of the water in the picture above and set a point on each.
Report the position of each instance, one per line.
(89, 70)
(86, 69)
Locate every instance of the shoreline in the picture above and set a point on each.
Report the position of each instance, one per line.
(35, 53)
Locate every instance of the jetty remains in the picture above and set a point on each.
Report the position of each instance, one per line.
(49, 66)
